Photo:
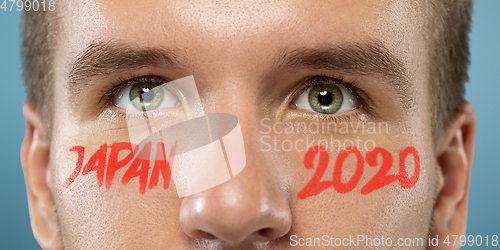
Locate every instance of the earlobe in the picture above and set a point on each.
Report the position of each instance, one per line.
(454, 154)
(35, 162)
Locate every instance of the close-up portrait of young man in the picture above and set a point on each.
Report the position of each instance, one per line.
(248, 124)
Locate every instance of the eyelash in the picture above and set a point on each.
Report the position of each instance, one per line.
(359, 94)
(122, 83)
(363, 99)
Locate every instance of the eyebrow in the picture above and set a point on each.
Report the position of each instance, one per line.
(107, 58)
(366, 58)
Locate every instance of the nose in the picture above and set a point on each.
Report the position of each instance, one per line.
(248, 208)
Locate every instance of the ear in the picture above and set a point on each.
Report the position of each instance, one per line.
(35, 161)
(455, 151)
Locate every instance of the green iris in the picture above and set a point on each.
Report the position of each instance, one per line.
(146, 96)
(325, 98)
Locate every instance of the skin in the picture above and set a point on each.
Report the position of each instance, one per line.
(231, 49)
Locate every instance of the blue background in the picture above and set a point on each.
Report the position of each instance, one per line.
(483, 92)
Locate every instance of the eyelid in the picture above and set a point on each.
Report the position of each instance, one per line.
(328, 80)
(363, 99)
(121, 83)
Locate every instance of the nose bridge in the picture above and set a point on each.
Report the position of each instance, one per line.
(233, 93)
(237, 94)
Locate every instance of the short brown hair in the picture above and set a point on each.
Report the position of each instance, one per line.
(448, 43)
(38, 32)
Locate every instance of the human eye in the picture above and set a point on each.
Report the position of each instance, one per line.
(146, 94)
(326, 95)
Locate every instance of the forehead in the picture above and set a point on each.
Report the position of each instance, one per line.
(235, 27)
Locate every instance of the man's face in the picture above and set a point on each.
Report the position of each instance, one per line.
(258, 60)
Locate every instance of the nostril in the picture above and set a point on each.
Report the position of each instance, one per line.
(202, 234)
(266, 232)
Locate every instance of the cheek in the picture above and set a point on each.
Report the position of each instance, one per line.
(96, 208)
(362, 193)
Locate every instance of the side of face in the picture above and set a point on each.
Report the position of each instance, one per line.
(241, 57)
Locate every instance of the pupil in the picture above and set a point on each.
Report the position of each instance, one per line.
(147, 95)
(325, 97)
